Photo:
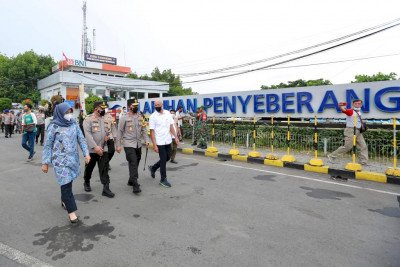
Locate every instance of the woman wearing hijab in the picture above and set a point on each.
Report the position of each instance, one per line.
(61, 150)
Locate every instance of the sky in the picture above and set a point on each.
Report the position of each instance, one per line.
(189, 36)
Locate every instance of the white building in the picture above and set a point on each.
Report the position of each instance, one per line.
(103, 80)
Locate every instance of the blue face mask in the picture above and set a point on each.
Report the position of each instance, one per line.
(357, 109)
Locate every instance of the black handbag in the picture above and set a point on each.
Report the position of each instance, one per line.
(364, 127)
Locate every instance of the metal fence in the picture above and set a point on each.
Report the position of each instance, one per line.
(380, 150)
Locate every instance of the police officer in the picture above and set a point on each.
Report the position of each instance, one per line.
(97, 132)
(110, 143)
(132, 129)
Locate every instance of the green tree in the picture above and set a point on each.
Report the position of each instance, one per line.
(362, 78)
(167, 76)
(19, 75)
(89, 101)
(5, 103)
(297, 83)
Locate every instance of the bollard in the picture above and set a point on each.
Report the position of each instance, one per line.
(316, 161)
(288, 157)
(254, 153)
(272, 156)
(212, 149)
(353, 166)
(234, 151)
(394, 171)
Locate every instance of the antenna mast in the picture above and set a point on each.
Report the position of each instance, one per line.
(85, 41)
(94, 40)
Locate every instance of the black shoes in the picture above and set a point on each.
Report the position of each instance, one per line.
(173, 161)
(136, 189)
(152, 173)
(107, 192)
(86, 186)
(74, 221)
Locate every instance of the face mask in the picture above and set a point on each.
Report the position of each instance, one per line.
(173, 116)
(68, 116)
(158, 109)
(102, 113)
(357, 109)
(134, 110)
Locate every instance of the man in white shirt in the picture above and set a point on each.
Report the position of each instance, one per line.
(162, 128)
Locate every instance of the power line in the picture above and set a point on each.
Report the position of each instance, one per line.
(322, 63)
(295, 58)
(290, 53)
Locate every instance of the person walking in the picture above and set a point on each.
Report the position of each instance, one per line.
(110, 127)
(97, 133)
(174, 145)
(349, 133)
(7, 123)
(29, 130)
(41, 117)
(180, 115)
(162, 128)
(61, 151)
(201, 129)
(132, 129)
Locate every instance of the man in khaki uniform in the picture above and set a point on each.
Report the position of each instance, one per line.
(97, 133)
(349, 133)
(111, 142)
(132, 129)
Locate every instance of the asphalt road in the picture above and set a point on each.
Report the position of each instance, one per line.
(218, 213)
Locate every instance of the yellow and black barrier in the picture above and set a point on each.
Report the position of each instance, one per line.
(254, 153)
(353, 166)
(234, 151)
(288, 157)
(316, 164)
(395, 172)
(212, 151)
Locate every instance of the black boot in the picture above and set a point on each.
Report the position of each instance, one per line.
(136, 188)
(107, 192)
(86, 186)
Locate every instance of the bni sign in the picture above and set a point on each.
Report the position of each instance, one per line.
(381, 100)
(100, 59)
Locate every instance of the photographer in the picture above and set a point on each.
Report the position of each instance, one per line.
(349, 133)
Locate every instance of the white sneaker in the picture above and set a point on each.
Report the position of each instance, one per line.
(331, 159)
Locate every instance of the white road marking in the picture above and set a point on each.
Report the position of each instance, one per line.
(303, 177)
(21, 257)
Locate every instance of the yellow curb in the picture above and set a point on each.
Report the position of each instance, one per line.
(254, 154)
(288, 158)
(187, 151)
(211, 154)
(319, 169)
(371, 176)
(239, 158)
(271, 162)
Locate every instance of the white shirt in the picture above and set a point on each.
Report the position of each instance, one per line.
(161, 123)
(180, 115)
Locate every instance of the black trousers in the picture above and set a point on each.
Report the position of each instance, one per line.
(133, 156)
(68, 197)
(164, 152)
(111, 149)
(8, 130)
(102, 163)
(40, 132)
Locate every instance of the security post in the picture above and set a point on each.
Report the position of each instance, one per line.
(234, 151)
(212, 149)
(254, 153)
(272, 156)
(353, 166)
(316, 161)
(288, 157)
(394, 171)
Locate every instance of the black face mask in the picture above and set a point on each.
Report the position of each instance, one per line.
(102, 113)
(158, 109)
(134, 110)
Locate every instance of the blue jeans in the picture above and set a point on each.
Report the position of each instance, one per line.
(68, 197)
(30, 139)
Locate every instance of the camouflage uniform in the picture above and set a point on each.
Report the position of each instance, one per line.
(201, 129)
